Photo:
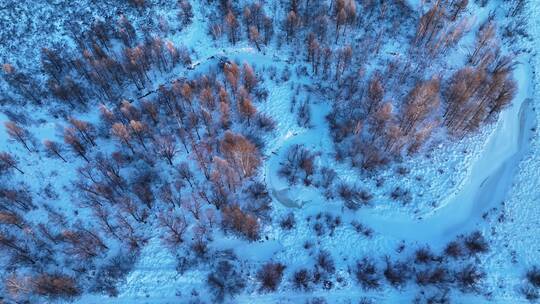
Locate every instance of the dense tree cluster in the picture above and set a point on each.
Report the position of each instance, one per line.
(385, 111)
(378, 131)
(186, 160)
(108, 58)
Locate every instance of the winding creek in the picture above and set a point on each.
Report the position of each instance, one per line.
(485, 186)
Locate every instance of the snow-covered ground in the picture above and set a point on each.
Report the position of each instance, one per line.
(498, 176)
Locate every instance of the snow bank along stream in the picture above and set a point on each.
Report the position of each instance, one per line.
(484, 187)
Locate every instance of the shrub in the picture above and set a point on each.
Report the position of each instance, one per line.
(236, 219)
(402, 195)
(365, 300)
(469, 278)
(533, 276)
(454, 250)
(354, 198)
(112, 273)
(424, 256)
(301, 279)
(288, 222)
(270, 276)
(366, 274)
(319, 229)
(265, 123)
(360, 228)
(436, 276)
(317, 300)
(476, 243)
(299, 164)
(530, 292)
(397, 273)
(56, 286)
(325, 262)
(328, 176)
(225, 281)
(259, 202)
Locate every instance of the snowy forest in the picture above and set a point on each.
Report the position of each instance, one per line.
(269, 151)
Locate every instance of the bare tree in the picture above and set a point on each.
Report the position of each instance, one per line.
(22, 83)
(291, 23)
(240, 152)
(53, 149)
(458, 6)
(55, 286)
(175, 225)
(234, 218)
(166, 148)
(422, 100)
(19, 134)
(245, 106)
(8, 162)
(75, 143)
(121, 132)
(185, 173)
(232, 27)
(270, 276)
(85, 129)
(255, 37)
(485, 39)
(250, 79)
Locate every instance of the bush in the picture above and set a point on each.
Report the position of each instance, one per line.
(533, 276)
(301, 279)
(433, 297)
(469, 278)
(402, 195)
(454, 250)
(424, 256)
(288, 222)
(354, 198)
(244, 223)
(56, 286)
(360, 228)
(328, 176)
(325, 262)
(365, 300)
(225, 281)
(112, 273)
(200, 247)
(304, 115)
(319, 228)
(366, 274)
(265, 123)
(299, 164)
(332, 222)
(476, 243)
(270, 276)
(317, 300)
(259, 202)
(436, 276)
(530, 292)
(397, 273)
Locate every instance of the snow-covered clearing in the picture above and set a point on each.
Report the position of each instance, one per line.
(486, 184)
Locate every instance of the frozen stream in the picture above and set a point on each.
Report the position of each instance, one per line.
(485, 186)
